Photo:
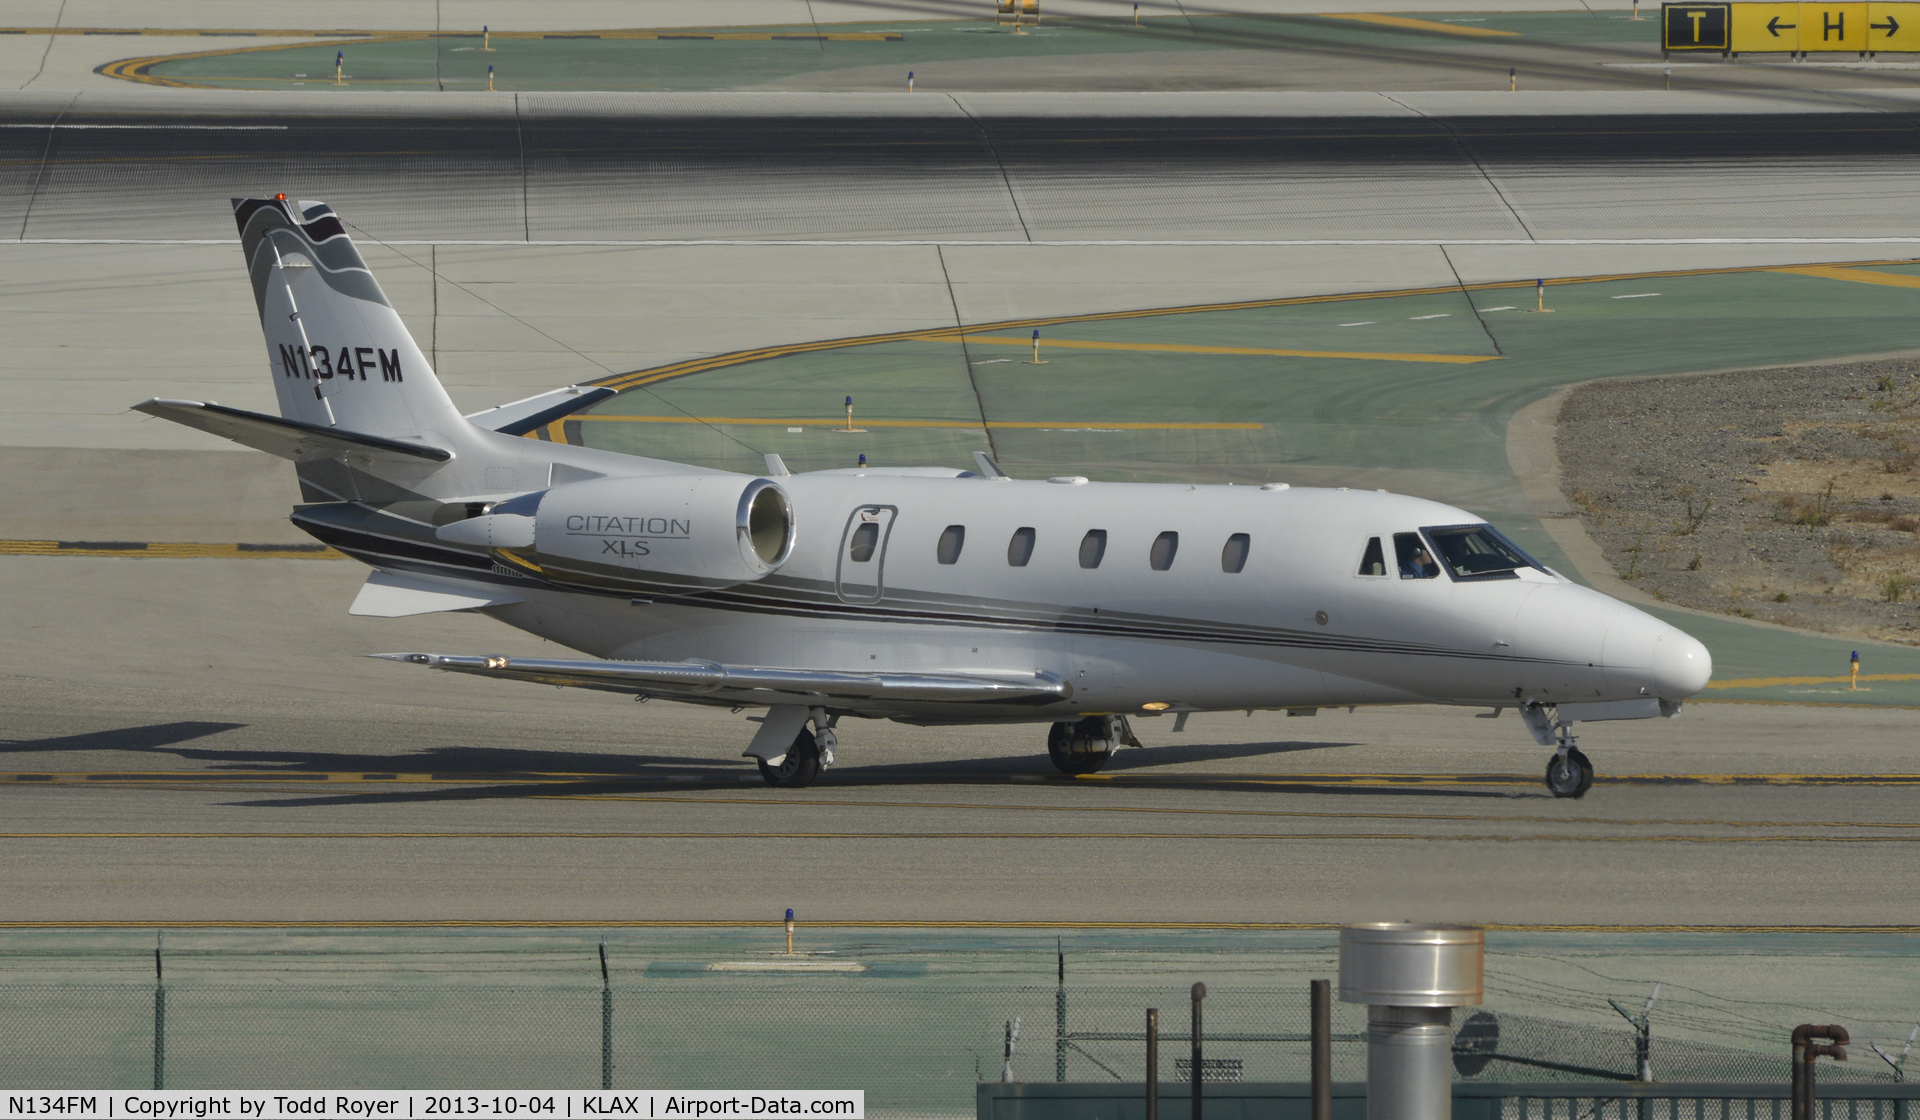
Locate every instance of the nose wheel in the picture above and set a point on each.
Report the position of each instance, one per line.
(1569, 774)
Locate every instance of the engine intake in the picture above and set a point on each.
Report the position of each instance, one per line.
(665, 533)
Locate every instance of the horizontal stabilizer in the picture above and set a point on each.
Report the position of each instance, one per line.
(290, 439)
(753, 685)
(523, 416)
(399, 594)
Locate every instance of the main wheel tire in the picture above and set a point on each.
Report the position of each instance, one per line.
(1571, 776)
(799, 768)
(1071, 746)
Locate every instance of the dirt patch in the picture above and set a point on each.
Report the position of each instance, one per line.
(1790, 495)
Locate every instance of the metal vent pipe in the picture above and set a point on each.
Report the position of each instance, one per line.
(1411, 978)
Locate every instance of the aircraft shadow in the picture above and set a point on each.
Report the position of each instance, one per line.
(473, 773)
(166, 739)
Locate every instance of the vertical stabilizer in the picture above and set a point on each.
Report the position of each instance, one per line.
(341, 357)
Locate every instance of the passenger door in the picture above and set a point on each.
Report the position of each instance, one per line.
(863, 554)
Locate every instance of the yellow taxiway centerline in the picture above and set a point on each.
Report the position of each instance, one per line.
(970, 425)
(1253, 351)
(1418, 24)
(1212, 837)
(1773, 682)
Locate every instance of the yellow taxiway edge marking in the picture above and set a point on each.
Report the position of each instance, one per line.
(882, 923)
(1417, 24)
(169, 550)
(136, 69)
(1773, 682)
(1181, 348)
(1857, 275)
(840, 423)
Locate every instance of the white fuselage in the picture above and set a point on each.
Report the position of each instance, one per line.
(1297, 626)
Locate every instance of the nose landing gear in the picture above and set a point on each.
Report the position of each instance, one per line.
(1569, 774)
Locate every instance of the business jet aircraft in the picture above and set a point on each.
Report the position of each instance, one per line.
(923, 595)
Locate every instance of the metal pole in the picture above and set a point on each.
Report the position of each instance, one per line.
(1153, 1063)
(1409, 1063)
(1060, 1013)
(159, 1017)
(606, 1020)
(1799, 1075)
(1321, 1031)
(1199, 993)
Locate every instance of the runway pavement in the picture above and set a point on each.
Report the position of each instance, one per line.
(244, 742)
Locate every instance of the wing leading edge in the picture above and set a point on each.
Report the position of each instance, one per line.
(711, 681)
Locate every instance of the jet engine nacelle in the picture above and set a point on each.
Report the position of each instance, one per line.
(662, 533)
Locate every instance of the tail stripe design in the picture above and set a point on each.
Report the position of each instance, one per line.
(314, 234)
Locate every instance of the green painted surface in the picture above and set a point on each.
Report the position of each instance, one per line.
(583, 62)
(1445, 423)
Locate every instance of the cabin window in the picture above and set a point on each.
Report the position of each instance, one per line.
(1233, 558)
(1373, 562)
(951, 542)
(1093, 548)
(1020, 548)
(1161, 555)
(1412, 555)
(865, 539)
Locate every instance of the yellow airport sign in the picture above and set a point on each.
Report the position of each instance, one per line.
(1766, 27)
(1793, 28)
(1893, 27)
(1695, 27)
(1833, 27)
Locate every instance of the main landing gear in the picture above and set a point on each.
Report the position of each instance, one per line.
(810, 753)
(1083, 746)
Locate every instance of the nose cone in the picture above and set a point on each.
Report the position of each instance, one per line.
(1681, 665)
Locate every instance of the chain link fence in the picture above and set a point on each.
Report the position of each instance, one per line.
(914, 1047)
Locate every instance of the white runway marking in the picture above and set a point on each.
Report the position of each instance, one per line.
(1509, 307)
(1363, 323)
(1442, 315)
(1639, 295)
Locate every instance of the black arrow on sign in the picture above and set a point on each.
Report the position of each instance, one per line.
(1774, 25)
(1891, 25)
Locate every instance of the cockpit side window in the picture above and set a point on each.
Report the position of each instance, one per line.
(1373, 562)
(1411, 553)
(1479, 552)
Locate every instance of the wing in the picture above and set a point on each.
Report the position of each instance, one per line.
(713, 682)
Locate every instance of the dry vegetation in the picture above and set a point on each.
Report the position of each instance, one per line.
(1791, 495)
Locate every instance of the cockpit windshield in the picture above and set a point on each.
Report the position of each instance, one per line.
(1479, 552)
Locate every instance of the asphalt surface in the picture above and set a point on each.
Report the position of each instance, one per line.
(997, 168)
(200, 740)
